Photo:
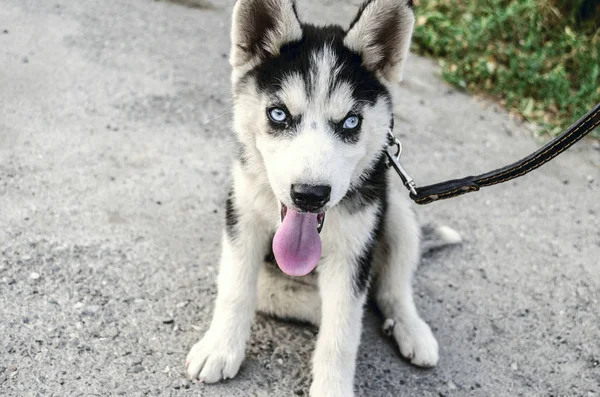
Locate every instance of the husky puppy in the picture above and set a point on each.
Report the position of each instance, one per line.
(311, 220)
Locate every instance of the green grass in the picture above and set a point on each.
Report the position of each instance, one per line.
(532, 56)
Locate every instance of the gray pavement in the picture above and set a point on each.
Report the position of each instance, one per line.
(114, 152)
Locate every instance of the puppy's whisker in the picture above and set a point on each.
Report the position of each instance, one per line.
(217, 117)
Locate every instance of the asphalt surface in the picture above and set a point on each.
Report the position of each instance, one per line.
(115, 143)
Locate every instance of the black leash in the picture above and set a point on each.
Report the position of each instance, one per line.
(457, 187)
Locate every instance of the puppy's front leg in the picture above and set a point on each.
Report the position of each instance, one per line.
(334, 359)
(221, 352)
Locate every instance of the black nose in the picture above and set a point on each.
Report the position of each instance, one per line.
(310, 198)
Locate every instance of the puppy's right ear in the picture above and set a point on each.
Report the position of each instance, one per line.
(260, 28)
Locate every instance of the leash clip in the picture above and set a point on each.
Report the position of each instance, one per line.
(394, 151)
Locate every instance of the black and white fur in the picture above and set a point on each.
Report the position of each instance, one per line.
(370, 236)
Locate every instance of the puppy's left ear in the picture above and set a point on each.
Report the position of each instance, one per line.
(381, 34)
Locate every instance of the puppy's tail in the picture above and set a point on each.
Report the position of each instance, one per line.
(435, 237)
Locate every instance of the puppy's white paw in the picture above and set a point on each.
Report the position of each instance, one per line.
(415, 340)
(320, 389)
(214, 358)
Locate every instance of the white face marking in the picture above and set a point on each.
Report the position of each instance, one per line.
(323, 71)
(293, 94)
(312, 151)
(341, 101)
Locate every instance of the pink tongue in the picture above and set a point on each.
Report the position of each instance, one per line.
(296, 245)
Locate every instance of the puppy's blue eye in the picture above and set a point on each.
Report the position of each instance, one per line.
(278, 115)
(351, 122)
